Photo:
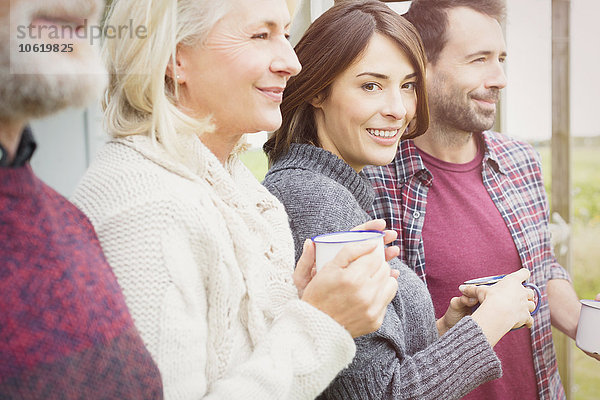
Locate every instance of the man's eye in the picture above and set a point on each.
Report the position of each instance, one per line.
(263, 35)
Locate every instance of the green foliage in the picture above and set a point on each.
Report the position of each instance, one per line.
(585, 240)
(585, 180)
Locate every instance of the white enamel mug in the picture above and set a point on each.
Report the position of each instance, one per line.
(328, 245)
(588, 329)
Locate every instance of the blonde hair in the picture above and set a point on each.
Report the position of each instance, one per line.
(140, 98)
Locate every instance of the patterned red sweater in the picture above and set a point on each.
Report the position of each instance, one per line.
(65, 331)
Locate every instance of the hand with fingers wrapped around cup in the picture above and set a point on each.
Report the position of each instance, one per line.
(354, 288)
(504, 306)
(306, 268)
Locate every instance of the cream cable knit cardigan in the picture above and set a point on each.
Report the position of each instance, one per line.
(205, 257)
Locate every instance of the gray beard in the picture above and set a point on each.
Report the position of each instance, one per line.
(44, 83)
(26, 96)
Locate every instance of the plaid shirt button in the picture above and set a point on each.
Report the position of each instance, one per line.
(416, 215)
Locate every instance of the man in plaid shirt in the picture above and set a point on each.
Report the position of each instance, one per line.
(467, 202)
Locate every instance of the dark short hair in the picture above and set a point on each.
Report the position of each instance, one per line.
(329, 46)
(430, 17)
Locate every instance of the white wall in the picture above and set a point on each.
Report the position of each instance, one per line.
(585, 61)
(67, 142)
(528, 95)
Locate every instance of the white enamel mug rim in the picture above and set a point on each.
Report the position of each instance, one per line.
(328, 245)
(587, 332)
(486, 280)
(322, 237)
(591, 303)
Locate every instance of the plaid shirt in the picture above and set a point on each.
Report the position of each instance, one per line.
(512, 175)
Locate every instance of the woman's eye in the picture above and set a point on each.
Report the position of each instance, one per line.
(263, 35)
(370, 87)
(410, 85)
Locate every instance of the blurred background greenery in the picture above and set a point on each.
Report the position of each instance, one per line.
(585, 242)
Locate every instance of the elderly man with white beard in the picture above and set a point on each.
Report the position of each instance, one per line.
(65, 331)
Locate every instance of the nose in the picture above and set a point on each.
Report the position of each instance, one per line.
(285, 62)
(394, 106)
(496, 77)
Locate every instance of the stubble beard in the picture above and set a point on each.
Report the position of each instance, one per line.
(453, 112)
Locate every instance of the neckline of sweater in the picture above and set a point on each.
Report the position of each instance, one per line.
(321, 161)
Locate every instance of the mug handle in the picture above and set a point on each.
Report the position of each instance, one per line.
(538, 293)
(537, 304)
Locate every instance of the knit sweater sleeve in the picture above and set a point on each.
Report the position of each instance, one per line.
(448, 368)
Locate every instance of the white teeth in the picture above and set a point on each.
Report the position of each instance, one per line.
(381, 133)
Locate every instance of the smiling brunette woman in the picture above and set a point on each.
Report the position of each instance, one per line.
(361, 91)
(203, 252)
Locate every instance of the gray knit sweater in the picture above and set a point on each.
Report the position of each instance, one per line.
(405, 358)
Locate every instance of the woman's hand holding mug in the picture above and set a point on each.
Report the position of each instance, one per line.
(354, 288)
(506, 304)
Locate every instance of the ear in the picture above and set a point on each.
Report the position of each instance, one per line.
(176, 70)
(317, 101)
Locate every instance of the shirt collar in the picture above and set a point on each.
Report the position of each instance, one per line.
(412, 164)
(494, 155)
(25, 150)
(322, 162)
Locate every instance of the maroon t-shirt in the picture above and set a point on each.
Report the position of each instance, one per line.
(465, 237)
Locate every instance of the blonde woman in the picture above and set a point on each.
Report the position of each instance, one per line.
(203, 252)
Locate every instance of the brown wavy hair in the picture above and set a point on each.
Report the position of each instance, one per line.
(329, 46)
